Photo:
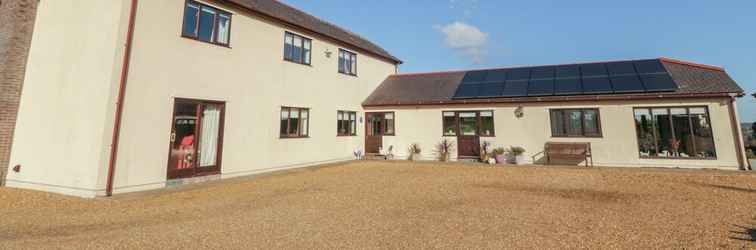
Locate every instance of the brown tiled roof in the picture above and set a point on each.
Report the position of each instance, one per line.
(693, 80)
(290, 15)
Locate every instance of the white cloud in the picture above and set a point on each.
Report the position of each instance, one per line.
(466, 39)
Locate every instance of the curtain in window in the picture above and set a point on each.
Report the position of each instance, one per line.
(210, 133)
(224, 23)
(306, 49)
(288, 46)
(353, 123)
(297, 49)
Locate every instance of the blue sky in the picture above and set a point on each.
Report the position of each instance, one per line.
(433, 35)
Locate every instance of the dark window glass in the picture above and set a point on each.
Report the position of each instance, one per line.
(295, 122)
(468, 123)
(575, 123)
(346, 123)
(389, 121)
(450, 123)
(644, 127)
(486, 123)
(191, 16)
(205, 23)
(297, 48)
(347, 62)
(679, 132)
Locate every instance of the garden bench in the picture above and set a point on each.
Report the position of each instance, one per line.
(568, 150)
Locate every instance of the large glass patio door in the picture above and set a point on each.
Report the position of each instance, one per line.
(196, 138)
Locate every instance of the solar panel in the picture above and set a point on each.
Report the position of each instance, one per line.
(597, 85)
(490, 89)
(542, 72)
(568, 71)
(627, 84)
(541, 87)
(649, 66)
(621, 68)
(519, 74)
(474, 76)
(591, 78)
(658, 82)
(515, 89)
(497, 75)
(567, 86)
(467, 91)
(595, 69)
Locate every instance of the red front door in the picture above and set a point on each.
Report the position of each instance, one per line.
(196, 138)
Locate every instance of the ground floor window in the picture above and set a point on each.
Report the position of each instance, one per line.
(676, 132)
(346, 123)
(380, 123)
(295, 122)
(575, 123)
(468, 123)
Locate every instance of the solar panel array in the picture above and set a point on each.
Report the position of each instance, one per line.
(576, 79)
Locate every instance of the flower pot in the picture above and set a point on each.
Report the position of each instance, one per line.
(520, 159)
(501, 159)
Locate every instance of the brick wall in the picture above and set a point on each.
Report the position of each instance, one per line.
(16, 25)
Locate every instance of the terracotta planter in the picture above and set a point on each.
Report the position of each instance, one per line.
(501, 159)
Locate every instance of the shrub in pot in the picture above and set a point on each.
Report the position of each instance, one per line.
(499, 155)
(414, 152)
(518, 153)
(443, 149)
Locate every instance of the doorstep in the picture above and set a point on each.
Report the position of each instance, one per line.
(193, 180)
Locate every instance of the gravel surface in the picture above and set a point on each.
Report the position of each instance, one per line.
(379, 204)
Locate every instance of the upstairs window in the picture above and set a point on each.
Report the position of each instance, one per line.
(295, 122)
(575, 123)
(297, 48)
(347, 62)
(206, 23)
(346, 123)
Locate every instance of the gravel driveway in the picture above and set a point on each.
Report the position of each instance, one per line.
(374, 204)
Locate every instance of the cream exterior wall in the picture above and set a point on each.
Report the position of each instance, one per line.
(254, 81)
(61, 138)
(617, 147)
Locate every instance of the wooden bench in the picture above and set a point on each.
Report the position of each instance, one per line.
(568, 150)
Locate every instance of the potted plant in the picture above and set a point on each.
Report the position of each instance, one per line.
(443, 149)
(518, 153)
(414, 152)
(499, 155)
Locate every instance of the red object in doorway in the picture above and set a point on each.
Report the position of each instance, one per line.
(186, 152)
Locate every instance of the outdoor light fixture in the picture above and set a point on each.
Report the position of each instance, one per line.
(518, 112)
(328, 53)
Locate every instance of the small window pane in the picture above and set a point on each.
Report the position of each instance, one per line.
(224, 25)
(284, 121)
(468, 123)
(190, 20)
(307, 50)
(297, 49)
(486, 124)
(305, 123)
(704, 139)
(207, 24)
(450, 124)
(557, 123)
(644, 128)
(682, 145)
(590, 123)
(574, 123)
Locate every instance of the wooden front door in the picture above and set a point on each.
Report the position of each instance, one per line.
(196, 138)
(374, 127)
(468, 140)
